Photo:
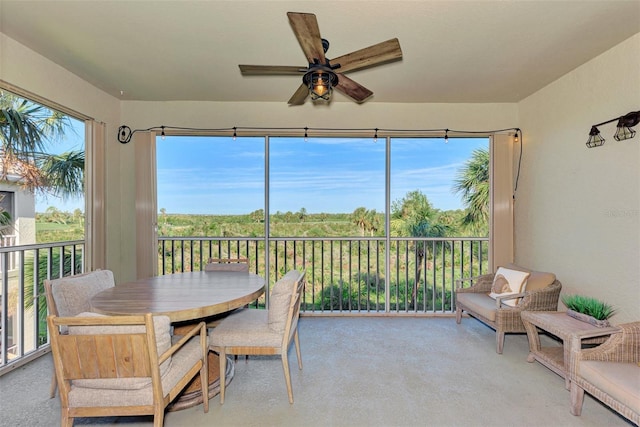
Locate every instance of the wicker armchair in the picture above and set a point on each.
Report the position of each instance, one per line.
(609, 372)
(541, 294)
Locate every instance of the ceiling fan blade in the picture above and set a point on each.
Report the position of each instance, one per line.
(305, 27)
(300, 96)
(352, 89)
(250, 70)
(369, 56)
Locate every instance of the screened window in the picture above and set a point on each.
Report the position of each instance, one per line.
(316, 187)
(320, 176)
(215, 177)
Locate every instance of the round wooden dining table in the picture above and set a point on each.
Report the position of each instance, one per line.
(181, 296)
(185, 298)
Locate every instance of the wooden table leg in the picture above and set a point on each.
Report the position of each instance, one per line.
(533, 338)
(192, 396)
(566, 345)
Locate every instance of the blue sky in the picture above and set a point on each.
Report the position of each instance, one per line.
(217, 175)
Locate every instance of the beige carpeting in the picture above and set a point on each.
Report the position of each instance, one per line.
(360, 372)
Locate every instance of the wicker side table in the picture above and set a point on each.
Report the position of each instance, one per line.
(565, 328)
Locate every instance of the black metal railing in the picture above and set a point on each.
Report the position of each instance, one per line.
(346, 275)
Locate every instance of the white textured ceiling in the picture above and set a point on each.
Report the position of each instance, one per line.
(453, 51)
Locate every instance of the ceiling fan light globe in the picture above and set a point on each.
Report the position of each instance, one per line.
(320, 89)
(320, 83)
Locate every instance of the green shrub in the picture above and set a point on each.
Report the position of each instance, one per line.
(589, 306)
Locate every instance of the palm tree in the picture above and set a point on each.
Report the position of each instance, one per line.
(257, 215)
(414, 216)
(26, 129)
(360, 218)
(472, 183)
(374, 221)
(302, 214)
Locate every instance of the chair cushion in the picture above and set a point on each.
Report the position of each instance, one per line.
(247, 328)
(509, 282)
(72, 294)
(479, 303)
(279, 300)
(537, 279)
(162, 329)
(182, 361)
(619, 380)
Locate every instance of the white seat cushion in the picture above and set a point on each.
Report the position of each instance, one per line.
(619, 380)
(478, 303)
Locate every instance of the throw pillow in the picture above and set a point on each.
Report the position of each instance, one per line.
(515, 283)
(500, 284)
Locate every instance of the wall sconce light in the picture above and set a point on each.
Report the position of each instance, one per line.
(623, 129)
(595, 140)
(626, 122)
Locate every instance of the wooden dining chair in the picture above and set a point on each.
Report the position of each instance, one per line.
(263, 332)
(227, 264)
(71, 295)
(124, 365)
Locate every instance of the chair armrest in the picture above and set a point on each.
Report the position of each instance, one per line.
(510, 296)
(621, 346)
(479, 284)
(545, 299)
(199, 329)
(600, 332)
(468, 279)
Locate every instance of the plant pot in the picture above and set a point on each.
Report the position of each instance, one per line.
(588, 319)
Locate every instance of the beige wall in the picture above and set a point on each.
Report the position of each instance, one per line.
(578, 209)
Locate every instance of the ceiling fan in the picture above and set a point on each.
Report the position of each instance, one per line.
(324, 74)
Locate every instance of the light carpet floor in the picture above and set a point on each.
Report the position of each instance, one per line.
(360, 371)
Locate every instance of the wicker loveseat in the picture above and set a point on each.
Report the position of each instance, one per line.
(541, 293)
(609, 372)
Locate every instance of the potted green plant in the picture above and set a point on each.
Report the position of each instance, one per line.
(588, 309)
